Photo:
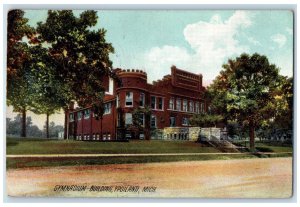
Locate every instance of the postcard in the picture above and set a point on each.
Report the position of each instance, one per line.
(150, 103)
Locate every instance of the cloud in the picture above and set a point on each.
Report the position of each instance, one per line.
(212, 43)
(279, 39)
(254, 41)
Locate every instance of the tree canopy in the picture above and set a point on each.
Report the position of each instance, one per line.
(18, 56)
(205, 120)
(79, 53)
(248, 89)
(63, 60)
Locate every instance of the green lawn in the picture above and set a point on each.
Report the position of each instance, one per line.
(264, 146)
(44, 146)
(77, 161)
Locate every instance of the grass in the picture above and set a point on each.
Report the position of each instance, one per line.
(44, 146)
(264, 146)
(19, 146)
(77, 161)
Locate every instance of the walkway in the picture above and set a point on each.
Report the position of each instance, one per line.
(242, 178)
(141, 154)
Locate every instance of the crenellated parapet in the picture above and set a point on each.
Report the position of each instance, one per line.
(134, 73)
(133, 78)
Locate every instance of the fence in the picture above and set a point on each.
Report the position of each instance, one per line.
(193, 133)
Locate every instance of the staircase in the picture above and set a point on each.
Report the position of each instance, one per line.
(223, 145)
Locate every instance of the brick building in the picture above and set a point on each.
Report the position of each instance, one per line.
(170, 103)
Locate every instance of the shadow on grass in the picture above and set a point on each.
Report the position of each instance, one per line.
(12, 163)
(264, 149)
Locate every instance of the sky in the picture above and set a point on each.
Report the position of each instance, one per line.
(198, 41)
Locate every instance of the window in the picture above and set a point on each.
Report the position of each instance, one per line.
(191, 106)
(171, 103)
(153, 121)
(142, 136)
(178, 104)
(128, 118)
(111, 86)
(160, 103)
(202, 107)
(107, 108)
(184, 103)
(129, 99)
(185, 121)
(71, 117)
(79, 115)
(142, 119)
(86, 113)
(119, 120)
(142, 99)
(153, 102)
(118, 100)
(172, 121)
(197, 107)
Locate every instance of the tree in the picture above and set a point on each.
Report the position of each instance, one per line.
(17, 57)
(53, 129)
(138, 124)
(48, 94)
(205, 120)
(79, 53)
(246, 91)
(17, 29)
(98, 110)
(13, 127)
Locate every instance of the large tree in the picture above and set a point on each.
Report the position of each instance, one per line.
(49, 95)
(17, 58)
(247, 90)
(79, 53)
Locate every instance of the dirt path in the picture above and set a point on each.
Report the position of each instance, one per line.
(248, 178)
(142, 154)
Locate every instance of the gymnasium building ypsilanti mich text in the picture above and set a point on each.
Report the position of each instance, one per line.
(172, 100)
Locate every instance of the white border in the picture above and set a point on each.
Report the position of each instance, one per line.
(147, 4)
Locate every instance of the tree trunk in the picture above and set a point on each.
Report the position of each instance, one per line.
(47, 125)
(251, 135)
(101, 129)
(101, 133)
(23, 124)
(66, 124)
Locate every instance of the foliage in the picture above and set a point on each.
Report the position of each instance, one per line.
(17, 29)
(205, 120)
(136, 121)
(48, 94)
(137, 124)
(63, 60)
(13, 127)
(18, 55)
(53, 129)
(248, 90)
(79, 54)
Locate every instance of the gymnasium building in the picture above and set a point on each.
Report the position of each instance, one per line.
(171, 102)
